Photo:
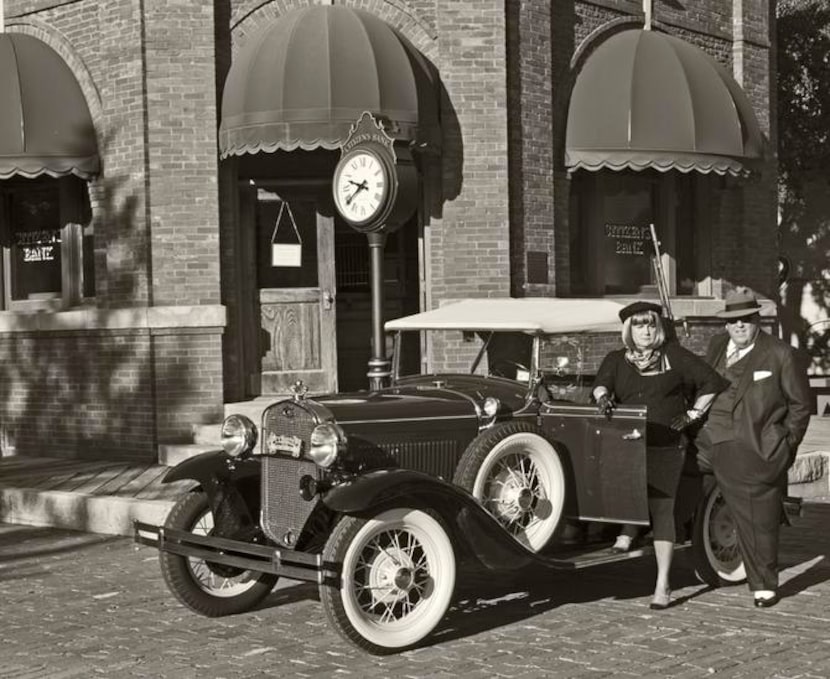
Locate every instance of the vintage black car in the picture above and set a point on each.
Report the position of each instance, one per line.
(376, 495)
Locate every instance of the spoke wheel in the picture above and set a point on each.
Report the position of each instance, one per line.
(517, 475)
(717, 557)
(209, 589)
(398, 576)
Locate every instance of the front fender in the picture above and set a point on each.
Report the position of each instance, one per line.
(483, 535)
(207, 468)
(200, 468)
(231, 485)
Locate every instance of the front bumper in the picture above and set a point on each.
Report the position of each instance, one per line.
(245, 555)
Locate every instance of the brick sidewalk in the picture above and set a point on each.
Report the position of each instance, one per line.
(77, 606)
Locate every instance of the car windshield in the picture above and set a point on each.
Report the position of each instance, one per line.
(507, 355)
(519, 339)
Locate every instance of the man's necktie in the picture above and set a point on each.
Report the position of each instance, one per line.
(732, 358)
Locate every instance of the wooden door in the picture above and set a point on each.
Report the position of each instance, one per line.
(296, 303)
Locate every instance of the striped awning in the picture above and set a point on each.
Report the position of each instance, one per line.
(45, 124)
(647, 100)
(304, 80)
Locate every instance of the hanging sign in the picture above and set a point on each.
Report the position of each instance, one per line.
(286, 254)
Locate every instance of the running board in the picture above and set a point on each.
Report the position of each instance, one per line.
(580, 557)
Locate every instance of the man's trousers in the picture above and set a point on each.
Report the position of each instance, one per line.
(753, 489)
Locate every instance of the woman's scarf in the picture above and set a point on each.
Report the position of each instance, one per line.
(646, 361)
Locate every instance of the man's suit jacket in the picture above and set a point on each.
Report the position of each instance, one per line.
(772, 405)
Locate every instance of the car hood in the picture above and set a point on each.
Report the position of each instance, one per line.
(424, 396)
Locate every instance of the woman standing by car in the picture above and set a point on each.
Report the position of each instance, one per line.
(662, 376)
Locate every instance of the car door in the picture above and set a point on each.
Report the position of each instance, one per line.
(606, 459)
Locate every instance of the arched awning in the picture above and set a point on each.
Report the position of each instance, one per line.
(304, 80)
(45, 125)
(650, 100)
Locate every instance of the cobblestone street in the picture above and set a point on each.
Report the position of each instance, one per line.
(83, 605)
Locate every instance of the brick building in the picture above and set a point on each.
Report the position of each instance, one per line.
(139, 286)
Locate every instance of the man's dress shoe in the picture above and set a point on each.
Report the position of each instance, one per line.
(768, 602)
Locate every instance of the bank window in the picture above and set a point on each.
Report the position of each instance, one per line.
(47, 243)
(610, 243)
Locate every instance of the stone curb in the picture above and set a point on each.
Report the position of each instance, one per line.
(810, 475)
(103, 514)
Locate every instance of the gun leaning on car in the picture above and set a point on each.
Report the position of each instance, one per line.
(662, 286)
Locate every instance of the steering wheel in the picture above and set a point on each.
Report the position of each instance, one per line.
(506, 368)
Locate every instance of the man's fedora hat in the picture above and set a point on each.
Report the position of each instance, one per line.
(740, 302)
(638, 308)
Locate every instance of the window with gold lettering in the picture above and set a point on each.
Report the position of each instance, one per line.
(35, 244)
(611, 249)
(47, 243)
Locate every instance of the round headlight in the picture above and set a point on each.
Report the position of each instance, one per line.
(490, 406)
(326, 440)
(238, 435)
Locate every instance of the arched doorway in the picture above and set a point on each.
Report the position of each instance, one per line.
(287, 107)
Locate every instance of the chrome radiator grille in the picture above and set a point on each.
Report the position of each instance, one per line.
(284, 512)
(288, 419)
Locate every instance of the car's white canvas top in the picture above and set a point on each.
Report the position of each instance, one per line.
(532, 315)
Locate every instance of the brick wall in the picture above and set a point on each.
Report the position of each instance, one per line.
(469, 249)
(107, 394)
(78, 394)
(530, 124)
(181, 143)
(188, 378)
(470, 254)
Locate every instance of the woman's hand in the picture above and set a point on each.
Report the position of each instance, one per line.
(605, 405)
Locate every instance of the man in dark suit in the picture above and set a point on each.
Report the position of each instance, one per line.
(752, 434)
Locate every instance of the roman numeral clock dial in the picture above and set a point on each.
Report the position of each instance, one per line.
(361, 187)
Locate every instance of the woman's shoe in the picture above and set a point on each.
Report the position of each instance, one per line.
(660, 601)
(621, 545)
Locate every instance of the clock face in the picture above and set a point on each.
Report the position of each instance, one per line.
(360, 187)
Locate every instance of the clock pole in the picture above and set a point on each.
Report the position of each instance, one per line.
(379, 364)
(375, 190)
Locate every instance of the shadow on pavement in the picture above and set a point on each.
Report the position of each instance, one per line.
(486, 599)
(490, 599)
(302, 591)
(19, 543)
(23, 548)
(817, 573)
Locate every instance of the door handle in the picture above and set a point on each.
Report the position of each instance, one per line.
(328, 299)
(635, 435)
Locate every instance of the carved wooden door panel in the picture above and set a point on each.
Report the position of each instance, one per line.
(297, 310)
